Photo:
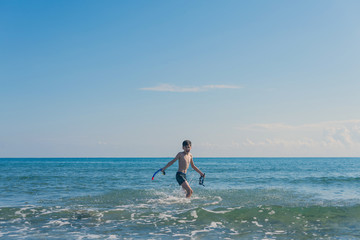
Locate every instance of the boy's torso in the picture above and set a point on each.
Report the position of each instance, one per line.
(184, 162)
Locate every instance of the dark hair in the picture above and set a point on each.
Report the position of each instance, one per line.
(186, 143)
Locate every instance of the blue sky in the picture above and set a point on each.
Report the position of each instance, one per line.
(136, 78)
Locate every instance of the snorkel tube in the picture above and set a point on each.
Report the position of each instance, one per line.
(156, 173)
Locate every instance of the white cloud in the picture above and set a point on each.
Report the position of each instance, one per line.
(351, 124)
(173, 88)
(323, 138)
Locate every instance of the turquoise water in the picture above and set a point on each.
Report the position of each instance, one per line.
(243, 198)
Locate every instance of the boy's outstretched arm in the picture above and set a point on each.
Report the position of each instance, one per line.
(195, 168)
(170, 163)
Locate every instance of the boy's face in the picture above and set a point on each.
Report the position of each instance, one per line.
(187, 148)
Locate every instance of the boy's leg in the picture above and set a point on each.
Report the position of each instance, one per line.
(185, 185)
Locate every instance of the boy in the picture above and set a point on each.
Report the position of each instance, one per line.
(185, 158)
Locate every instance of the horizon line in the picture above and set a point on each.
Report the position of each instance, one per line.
(155, 157)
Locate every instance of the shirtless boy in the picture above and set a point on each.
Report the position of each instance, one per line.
(185, 159)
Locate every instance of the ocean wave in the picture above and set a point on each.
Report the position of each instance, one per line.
(326, 180)
(199, 222)
(164, 214)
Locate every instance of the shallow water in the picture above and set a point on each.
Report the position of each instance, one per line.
(243, 198)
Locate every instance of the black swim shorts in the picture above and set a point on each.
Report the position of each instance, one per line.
(180, 177)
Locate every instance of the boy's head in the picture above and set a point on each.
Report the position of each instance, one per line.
(186, 145)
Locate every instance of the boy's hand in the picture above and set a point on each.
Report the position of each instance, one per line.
(202, 175)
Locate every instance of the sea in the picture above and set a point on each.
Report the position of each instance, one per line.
(242, 198)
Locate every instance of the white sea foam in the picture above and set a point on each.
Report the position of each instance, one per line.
(216, 212)
(60, 222)
(157, 234)
(186, 221)
(23, 215)
(169, 199)
(20, 211)
(165, 216)
(217, 199)
(272, 212)
(234, 232)
(276, 232)
(233, 208)
(215, 224)
(257, 224)
(53, 210)
(209, 228)
(194, 214)
(90, 236)
(193, 233)
(181, 235)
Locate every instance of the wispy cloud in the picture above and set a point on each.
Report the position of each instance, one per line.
(325, 135)
(282, 126)
(173, 88)
(316, 139)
